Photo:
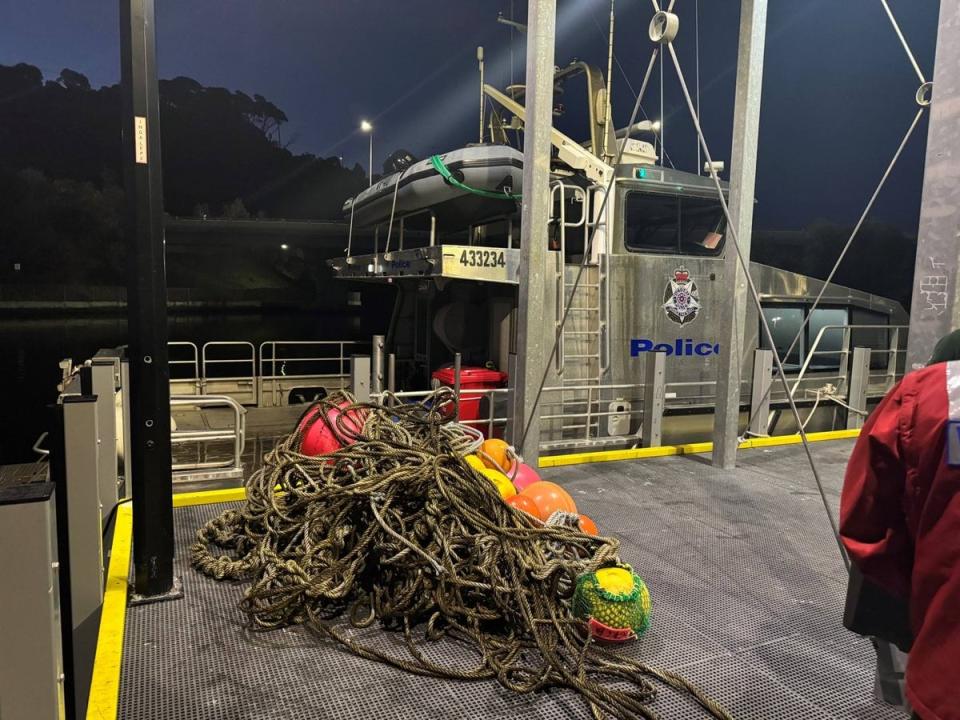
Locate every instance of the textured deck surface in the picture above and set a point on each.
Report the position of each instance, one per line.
(746, 583)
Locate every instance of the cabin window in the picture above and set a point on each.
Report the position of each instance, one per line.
(826, 355)
(673, 225)
(785, 322)
(702, 226)
(652, 223)
(878, 340)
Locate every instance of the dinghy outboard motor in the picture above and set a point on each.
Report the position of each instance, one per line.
(398, 161)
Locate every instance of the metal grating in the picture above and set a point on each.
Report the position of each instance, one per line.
(746, 583)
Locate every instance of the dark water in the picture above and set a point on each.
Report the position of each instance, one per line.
(30, 349)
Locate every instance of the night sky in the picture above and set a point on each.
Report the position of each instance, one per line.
(838, 89)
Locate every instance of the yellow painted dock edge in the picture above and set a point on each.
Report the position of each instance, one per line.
(105, 684)
(209, 497)
(688, 449)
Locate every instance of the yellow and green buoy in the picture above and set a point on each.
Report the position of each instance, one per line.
(614, 602)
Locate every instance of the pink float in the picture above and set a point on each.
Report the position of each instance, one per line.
(524, 477)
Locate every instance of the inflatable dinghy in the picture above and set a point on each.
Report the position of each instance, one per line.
(461, 187)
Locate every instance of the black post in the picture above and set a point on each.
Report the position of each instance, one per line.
(146, 304)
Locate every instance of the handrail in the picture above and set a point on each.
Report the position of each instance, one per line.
(36, 446)
(237, 434)
(561, 284)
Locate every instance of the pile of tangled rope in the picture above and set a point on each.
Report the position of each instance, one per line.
(396, 528)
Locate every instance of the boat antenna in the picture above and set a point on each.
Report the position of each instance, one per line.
(512, 81)
(661, 134)
(482, 97)
(607, 153)
(696, 22)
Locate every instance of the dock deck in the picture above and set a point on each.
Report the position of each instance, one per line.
(747, 589)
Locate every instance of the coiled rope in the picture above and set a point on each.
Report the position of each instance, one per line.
(395, 527)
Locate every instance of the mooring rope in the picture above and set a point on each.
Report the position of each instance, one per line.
(395, 527)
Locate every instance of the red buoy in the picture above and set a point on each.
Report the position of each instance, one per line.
(322, 438)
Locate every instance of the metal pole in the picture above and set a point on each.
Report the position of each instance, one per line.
(859, 382)
(654, 395)
(457, 364)
(531, 340)
(376, 384)
(743, 172)
(935, 311)
(609, 153)
(370, 160)
(760, 391)
(146, 304)
(392, 372)
(360, 378)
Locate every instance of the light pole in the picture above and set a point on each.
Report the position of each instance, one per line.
(366, 127)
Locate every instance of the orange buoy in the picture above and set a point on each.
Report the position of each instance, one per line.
(549, 497)
(588, 526)
(496, 454)
(522, 502)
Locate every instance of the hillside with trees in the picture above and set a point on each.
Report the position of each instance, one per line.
(60, 170)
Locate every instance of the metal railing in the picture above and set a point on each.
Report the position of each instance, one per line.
(490, 421)
(259, 376)
(229, 366)
(893, 352)
(286, 362)
(189, 360)
(234, 434)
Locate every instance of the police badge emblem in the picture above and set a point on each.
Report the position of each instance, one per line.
(681, 298)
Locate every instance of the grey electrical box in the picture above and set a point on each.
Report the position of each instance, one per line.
(81, 456)
(31, 662)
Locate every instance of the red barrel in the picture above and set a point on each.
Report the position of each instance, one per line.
(471, 378)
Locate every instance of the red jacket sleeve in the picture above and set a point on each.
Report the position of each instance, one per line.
(872, 521)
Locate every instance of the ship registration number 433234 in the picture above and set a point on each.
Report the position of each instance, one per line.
(483, 258)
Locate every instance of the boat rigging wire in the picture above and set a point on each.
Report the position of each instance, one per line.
(843, 251)
(764, 325)
(867, 209)
(743, 262)
(903, 41)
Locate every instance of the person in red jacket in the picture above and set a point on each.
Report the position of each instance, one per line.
(900, 524)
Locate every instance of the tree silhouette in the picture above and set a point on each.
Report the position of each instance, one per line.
(218, 146)
(72, 80)
(60, 164)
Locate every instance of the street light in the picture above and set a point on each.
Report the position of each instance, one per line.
(366, 127)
